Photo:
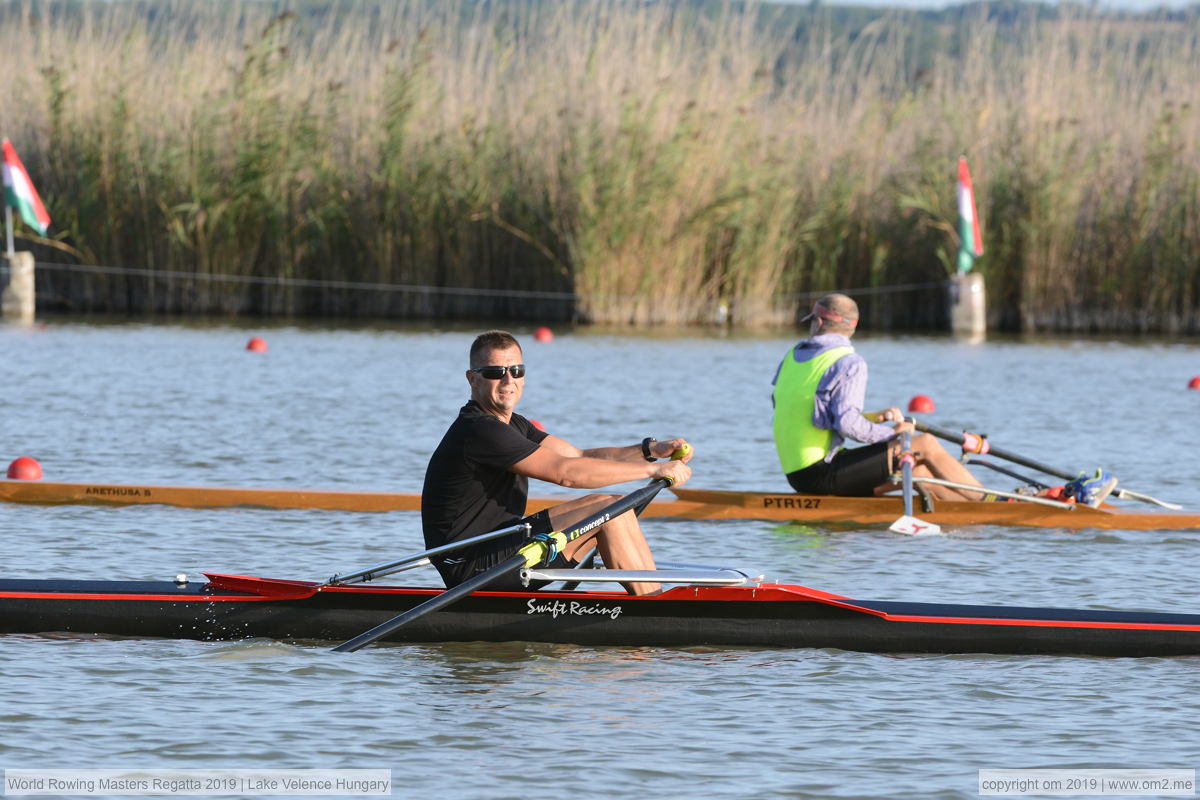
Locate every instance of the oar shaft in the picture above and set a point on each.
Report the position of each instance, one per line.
(908, 524)
(445, 598)
(1004, 471)
(1007, 455)
(906, 467)
(379, 570)
(1125, 494)
(635, 500)
(1025, 498)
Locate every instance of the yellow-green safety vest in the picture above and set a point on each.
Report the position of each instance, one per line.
(798, 442)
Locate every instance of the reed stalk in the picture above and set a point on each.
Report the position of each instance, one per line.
(666, 163)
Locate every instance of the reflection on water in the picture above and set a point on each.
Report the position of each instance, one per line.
(363, 407)
(801, 534)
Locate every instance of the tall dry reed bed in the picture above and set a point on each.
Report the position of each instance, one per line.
(660, 162)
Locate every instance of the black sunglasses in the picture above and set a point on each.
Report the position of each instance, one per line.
(494, 373)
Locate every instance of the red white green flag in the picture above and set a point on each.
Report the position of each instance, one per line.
(20, 194)
(971, 242)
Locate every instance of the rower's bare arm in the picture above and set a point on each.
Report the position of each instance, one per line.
(562, 447)
(583, 472)
(631, 452)
(664, 449)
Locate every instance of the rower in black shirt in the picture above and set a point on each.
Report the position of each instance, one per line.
(478, 477)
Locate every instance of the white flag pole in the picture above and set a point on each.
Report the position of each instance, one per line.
(8, 229)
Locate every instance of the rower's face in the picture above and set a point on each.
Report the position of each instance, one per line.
(501, 394)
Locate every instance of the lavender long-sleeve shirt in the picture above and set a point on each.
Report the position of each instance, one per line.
(841, 393)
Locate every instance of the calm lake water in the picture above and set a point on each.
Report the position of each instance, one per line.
(363, 408)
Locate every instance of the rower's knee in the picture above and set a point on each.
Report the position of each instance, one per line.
(926, 447)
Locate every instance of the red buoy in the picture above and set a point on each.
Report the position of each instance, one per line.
(537, 425)
(257, 345)
(25, 469)
(543, 334)
(921, 404)
(1194, 383)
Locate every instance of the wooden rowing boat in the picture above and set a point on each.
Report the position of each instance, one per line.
(692, 504)
(884, 510)
(111, 494)
(108, 494)
(751, 614)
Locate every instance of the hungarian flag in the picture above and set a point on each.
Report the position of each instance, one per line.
(971, 246)
(20, 194)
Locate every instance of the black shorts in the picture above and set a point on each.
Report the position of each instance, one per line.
(853, 472)
(460, 565)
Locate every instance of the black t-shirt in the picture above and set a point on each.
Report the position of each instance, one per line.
(468, 489)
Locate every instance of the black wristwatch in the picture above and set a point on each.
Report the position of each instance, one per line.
(646, 454)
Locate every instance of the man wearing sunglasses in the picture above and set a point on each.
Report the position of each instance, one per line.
(478, 478)
(820, 388)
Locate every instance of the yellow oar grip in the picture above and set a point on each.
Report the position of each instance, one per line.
(682, 452)
(543, 549)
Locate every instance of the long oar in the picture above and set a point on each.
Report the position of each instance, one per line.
(418, 559)
(1005, 471)
(908, 523)
(1021, 498)
(976, 443)
(536, 552)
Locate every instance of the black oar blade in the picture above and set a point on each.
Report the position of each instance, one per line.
(444, 599)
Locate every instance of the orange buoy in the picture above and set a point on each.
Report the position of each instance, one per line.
(1194, 383)
(25, 469)
(537, 425)
(257, 345)
(921, 404)
(543, 334)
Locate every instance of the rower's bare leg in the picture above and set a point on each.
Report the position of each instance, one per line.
(933, 460)
(621, 542)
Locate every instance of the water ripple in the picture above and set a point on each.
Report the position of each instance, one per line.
(173, 405)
